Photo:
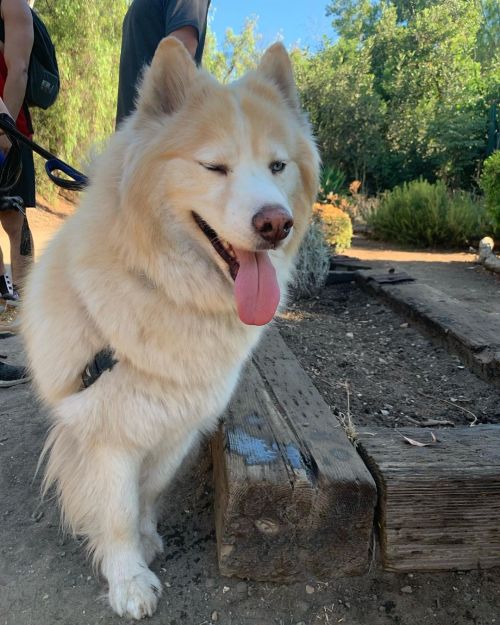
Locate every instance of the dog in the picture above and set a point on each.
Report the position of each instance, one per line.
(176, 260)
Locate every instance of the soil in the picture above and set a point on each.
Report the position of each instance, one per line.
(352, 345)
(45, 578)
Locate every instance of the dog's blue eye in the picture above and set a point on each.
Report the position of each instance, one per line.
(277, 166)
(220, 169)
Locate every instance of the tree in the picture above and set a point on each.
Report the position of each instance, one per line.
(87, 36)
(239, 52)
(425, 73)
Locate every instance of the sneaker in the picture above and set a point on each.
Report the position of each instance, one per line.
(11, 375)
(7, 290)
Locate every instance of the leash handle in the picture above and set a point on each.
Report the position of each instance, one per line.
(76, 181)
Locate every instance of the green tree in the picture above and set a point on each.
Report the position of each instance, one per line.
(239, 52)
(336, 87)
(427, 62)
(87, 36)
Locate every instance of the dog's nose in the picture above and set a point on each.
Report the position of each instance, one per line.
(273, 222)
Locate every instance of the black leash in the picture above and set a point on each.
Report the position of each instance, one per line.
(76, 181)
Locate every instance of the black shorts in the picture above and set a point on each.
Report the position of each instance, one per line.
(25, 186)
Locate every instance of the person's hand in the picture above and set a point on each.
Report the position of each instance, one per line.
(4, 144)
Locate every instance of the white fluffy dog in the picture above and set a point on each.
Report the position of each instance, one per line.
(178, 255)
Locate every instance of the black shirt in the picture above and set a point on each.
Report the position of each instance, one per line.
(146, 23)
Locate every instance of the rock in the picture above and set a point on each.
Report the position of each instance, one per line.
(242, 588)
(407, 590)
(309, 589)
(214, 616)
(486, 245)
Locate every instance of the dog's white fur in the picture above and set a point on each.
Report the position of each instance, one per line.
(133, 271)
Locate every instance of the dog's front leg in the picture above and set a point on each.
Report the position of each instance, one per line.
(157, 472)
(133, 589)
(98, 487)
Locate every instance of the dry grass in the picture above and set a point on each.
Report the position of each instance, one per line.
(8, 315)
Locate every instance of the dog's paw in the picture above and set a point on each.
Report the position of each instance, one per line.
(152, 545)
(137, 596)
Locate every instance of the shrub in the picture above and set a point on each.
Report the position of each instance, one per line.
(313, 262)
(420, 213)
(337, 225)
(332, 181)
(87, 36)
(490, 184)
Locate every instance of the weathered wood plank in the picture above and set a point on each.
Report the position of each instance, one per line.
(439, 506)
(293, 498)
(474, 335)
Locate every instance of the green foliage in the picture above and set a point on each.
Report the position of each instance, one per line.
(87, 36)
(336, 224)
(332, 181)
(239, 52)
(405, 89)
(420, 213)
(313, 263)
(490, 184)
(336, 89)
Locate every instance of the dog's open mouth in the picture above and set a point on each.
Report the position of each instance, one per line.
(256, 286)
(224, 250)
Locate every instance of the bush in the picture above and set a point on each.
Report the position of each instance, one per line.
(337, 225)
(490, 184)
(420, 213)
(87, 36)
(313, 263)
(332, 181)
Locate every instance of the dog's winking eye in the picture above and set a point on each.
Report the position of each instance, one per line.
(217, 167)
(277, 166)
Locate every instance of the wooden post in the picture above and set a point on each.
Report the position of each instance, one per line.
(293, 498)
(439, 506)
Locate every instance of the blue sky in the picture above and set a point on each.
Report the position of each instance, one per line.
(295, 21)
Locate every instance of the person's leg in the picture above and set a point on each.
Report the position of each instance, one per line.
(5, 281)
(16, 226)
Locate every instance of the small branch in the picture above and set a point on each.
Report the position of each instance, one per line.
(446, 401)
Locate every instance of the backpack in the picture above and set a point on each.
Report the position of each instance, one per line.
(42, 87)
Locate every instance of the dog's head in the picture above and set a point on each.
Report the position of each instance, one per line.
(235, 167)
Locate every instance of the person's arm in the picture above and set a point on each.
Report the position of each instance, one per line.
(18, 25)
(188, 35)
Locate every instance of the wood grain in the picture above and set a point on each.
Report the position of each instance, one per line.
(293, 498)
(439, 506)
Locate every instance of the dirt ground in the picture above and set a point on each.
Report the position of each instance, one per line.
(343, 336)
(395, 376)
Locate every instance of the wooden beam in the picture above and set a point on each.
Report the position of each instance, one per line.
(472, 334)
(439, 506)
(293, 498)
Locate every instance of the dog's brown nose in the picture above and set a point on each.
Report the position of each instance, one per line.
(273, 222)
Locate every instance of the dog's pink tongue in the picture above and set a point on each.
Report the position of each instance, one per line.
(256, 288)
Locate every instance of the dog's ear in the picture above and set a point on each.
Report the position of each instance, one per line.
(275, 65)
(166, 81)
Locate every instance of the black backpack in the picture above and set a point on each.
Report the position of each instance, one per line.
(42, 87)
(43, 74)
